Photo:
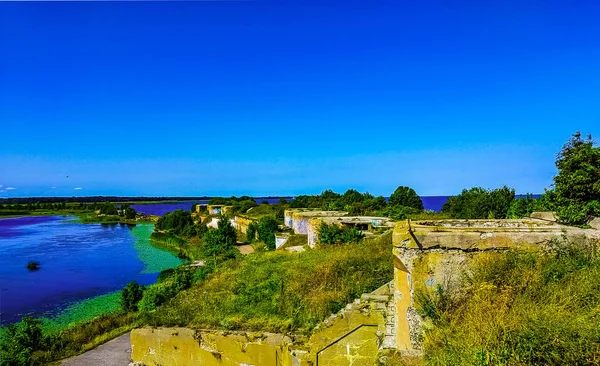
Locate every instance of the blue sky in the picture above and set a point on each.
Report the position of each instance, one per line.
(278, 97)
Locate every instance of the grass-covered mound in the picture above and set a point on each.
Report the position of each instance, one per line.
(280, 291)
(519, 308)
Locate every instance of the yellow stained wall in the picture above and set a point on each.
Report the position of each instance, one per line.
(183, 347)
(350, 339)
(242, 223)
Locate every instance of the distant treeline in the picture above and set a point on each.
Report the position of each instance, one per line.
(91, 199)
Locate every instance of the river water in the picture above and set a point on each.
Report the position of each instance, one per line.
(77, 261)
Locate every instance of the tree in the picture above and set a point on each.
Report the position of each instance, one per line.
(578, 166)
(407, 197)
(130, 296)
(480, 203)
(108, 209)
(20, 340)
(220, 243)
(266, 229)
(251, 232)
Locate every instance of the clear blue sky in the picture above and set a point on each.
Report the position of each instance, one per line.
(278, 97)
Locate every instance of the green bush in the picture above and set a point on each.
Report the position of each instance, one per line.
(20, 340)
(130, 296)
(266, 228)
(220, 243)
(169, 284)
(479, 203)
(333, 234)
(251, 232)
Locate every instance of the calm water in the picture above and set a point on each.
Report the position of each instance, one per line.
(160, 209)
(78, 261)
(434, 203)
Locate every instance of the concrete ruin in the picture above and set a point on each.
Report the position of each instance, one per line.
(427, 253)
(353, 336)
(218, 209)
(432, 253)
(297, 219)
(366, 224)
(308, 222)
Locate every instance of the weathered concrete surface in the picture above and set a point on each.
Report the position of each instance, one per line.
(353, 336)
(544, 215)
(432, 253)
(297, 219)
(595, 223)
(241, 223)
(183, 346)
(116, 352)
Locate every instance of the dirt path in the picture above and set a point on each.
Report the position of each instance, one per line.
(116, 352)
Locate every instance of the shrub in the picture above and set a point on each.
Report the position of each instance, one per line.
(20, 340)
(266, 229)
(219, 243)
(130, 296)
(333, 234)
(251, 232)
(479, 203)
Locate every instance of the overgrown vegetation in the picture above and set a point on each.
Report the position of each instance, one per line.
(333, 234)
(238, 204)
(519, 308)
(130, 296)
(180, 223)
(280, 291)
(479, 203)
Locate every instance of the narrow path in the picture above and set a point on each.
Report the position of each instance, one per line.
(116, 352)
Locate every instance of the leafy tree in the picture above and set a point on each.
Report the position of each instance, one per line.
(407, 197)
(220, 243)
(479, 203)
(20, 340)
(251, 232)
(130, 296)
(577, 184)
(108, 209)
(178, 222)
(578, 166)
(266, 229)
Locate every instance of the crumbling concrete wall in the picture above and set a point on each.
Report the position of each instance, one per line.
(353, 336)
(184, 346)
(297, 219)
(432, 253)
(241, 223)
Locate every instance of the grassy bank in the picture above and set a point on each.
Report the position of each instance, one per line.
(519, 308)
(280, 291)
(187, 249)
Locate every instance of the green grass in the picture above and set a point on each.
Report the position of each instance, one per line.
(261, 211)
(280, 291)
(189, 248)
(519, 308)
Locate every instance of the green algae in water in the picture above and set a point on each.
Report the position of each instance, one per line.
(83, 311)
(155, 260)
